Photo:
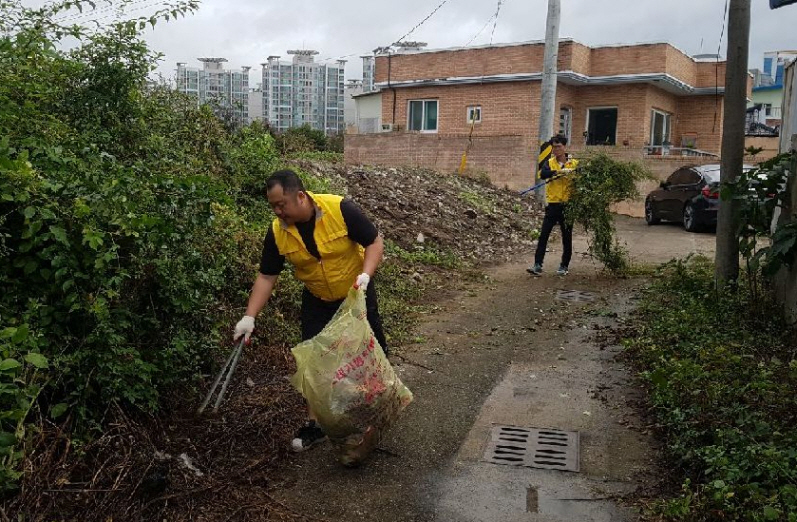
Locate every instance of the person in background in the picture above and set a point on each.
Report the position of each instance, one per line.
(559, 170)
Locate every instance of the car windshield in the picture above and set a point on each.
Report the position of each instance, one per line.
(713, 175)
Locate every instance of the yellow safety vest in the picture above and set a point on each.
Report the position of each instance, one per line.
(558, 190)
(341, 260)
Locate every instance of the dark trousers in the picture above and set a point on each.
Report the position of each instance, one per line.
(555, 213)
(316, 313)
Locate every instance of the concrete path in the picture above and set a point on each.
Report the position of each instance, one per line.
(507, 351)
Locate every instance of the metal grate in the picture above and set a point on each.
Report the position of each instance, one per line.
(534, 448)
(577, 296)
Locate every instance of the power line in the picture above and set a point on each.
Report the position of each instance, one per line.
(422, 21)
(722, 32)
(87, 16)
(717, 69)
(480, 30)
(403, 37)
(497, 10)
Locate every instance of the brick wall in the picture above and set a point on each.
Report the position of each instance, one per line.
(507, 160)
(682, 66)
(507, 108)
(633, 118)
(700, 116)
(769, 144)
(632, 59)
(710, 74)
(580, 58)
(528, 58)
(513, 108)
(487, 61)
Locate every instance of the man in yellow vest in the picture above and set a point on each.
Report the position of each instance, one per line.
(332, 246)
(559, 171)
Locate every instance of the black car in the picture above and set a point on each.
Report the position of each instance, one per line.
(690, 195)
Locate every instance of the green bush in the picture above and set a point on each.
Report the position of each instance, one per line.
(123, 247)
(721, 374)
(600, 182)
(302, 139)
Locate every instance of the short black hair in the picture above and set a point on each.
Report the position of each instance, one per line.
(559, 138)
(287, 179)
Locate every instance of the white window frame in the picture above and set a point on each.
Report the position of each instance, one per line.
(598, 108)
(667, 131)
(568, 130)
(469, 114)
(423, 115)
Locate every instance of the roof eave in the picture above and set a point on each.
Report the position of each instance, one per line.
(661, 80)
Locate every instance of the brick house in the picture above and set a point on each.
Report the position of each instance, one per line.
(633, 100)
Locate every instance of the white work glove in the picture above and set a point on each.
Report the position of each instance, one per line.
(362, 281)
(244, 327)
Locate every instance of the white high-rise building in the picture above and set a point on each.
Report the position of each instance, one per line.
(226, 91)
(368, 72)
(256, 104)
(303, 92)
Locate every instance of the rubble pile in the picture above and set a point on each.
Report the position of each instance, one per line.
(420, 208)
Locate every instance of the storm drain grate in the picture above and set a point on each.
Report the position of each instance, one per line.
(577, 296)
(534, 448)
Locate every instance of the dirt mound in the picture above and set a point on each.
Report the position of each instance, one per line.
(417, 207)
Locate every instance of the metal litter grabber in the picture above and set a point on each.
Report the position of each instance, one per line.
(228, 369)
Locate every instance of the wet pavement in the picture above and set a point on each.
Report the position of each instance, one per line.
(508, 351)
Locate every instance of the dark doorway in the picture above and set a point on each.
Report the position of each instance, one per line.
(602, 129)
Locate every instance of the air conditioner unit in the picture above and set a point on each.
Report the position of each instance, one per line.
(387, 127)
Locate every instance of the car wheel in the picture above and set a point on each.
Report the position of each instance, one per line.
(650, 216)
(690, 220)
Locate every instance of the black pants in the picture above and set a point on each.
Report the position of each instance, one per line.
(316, 313)
(555, 213)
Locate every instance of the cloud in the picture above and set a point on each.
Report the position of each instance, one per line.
(247, 31)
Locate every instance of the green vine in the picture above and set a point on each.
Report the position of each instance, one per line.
(600, 182)
(761, 191)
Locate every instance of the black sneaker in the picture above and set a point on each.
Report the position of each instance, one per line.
(308, 436)
(535, 270)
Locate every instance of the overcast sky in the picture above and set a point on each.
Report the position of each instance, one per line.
(247, 31)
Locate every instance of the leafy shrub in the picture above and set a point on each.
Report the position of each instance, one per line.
(302, 139)
(600, 182)
(721, 374)
(122, 247)
(761, 191)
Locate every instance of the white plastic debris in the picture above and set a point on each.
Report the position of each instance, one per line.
(189, 463)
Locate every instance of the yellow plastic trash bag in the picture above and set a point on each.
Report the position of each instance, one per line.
(347, 380)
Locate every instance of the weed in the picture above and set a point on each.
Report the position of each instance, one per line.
(721, 374)
(477, 201)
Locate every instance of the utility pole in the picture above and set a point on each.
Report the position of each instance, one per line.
(726, 260)
(548, 87)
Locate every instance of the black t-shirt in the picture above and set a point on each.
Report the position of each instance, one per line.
(361, 230)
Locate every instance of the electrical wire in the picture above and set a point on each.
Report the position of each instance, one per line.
(480, 30)
(497, 11)
(400, 39)
(89, 15)
(717, 70)
(722, 31)
(422, 21)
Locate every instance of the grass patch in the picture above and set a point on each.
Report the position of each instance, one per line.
(722, 375)
(423, 255)
(477, 201)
